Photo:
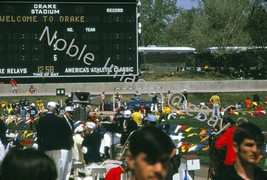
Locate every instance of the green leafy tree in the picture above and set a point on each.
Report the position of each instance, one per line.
(257, 23)
(221, 24)
(180, 29)
(156, 16)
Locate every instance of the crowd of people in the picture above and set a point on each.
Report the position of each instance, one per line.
(150, 149)
(253, 106)
(65, 140)
(22, 112)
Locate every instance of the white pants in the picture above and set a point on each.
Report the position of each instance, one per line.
(216, 110)
(185, 104)
(2, 152)
(66, 164)
(56, 156)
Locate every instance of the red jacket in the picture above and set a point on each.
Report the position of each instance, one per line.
(114, 174)
(226, 140)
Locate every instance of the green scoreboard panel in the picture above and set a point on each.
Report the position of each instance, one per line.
(60, 39)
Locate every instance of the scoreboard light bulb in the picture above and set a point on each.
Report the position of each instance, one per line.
(70, 29)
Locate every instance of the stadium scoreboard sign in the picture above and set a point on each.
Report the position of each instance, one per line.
(68, 39)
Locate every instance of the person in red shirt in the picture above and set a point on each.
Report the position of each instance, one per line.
(115, 173)
(14, 85)
(225, 141)
(248, 142)
(259, 111)
(143, 110)
(248, 103)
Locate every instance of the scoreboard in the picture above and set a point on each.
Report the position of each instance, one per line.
(61, 39)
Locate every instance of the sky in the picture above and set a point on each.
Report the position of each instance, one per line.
(187, 4)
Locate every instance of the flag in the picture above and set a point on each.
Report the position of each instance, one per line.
(209, 131)
(192, 147)
(188, 129)
(30, 134)
(183, 128)
(205, 139)
(200, 146)
(206, 148)
(202, 132)
(192, 134)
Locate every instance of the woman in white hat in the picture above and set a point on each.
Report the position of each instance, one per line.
(92, 142)
(78, 139)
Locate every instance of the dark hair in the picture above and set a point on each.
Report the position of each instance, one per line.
(248, 131)
(155, 143)
(228, 120)
(136, 109)
(28, 164)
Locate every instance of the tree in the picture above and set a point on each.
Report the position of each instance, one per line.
(156, 16)
(179, 31)
(257, 23)
(221, 25)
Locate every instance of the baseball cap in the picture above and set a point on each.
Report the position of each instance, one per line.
(127, 114)
(228, 120)
(78, 129)
(90, 125)
(52, 105)
(69, 109)
(151, 118)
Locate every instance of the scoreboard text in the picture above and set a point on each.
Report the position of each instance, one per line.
(68, 39)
